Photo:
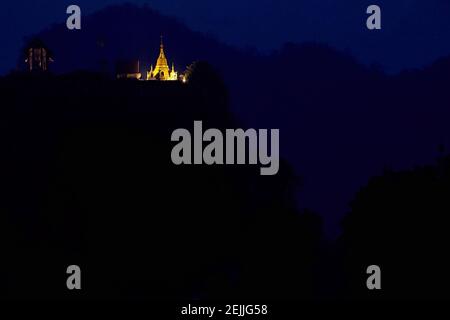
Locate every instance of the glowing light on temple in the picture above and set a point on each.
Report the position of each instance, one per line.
(162, 71)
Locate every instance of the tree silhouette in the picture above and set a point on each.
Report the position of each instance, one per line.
(399, 222)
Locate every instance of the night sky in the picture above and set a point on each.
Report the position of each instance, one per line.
(415, 32)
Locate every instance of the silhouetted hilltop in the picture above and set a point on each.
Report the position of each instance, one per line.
(87, 179)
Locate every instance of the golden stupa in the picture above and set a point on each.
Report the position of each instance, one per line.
(161, 71)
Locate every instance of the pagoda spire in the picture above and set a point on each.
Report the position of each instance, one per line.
(162, 57)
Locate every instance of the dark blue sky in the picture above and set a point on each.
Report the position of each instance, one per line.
(415, 32)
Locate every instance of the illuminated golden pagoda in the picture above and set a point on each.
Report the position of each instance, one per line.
(161, 71)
